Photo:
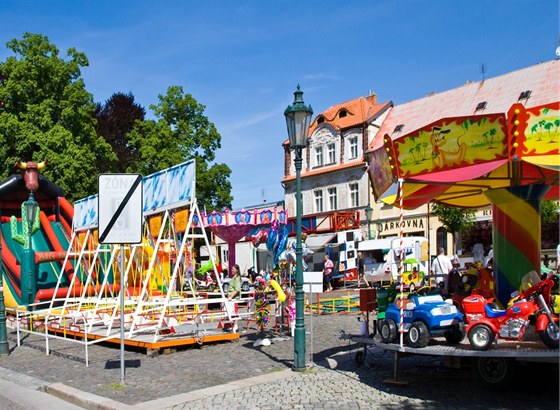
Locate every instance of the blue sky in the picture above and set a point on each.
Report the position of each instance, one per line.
(244, 59)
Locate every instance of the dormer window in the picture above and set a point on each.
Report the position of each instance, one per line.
(342, 113)
(524, 95)
(320, 120)
(398, 128)
(481, 106)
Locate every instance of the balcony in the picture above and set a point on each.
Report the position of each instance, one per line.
(326, 222)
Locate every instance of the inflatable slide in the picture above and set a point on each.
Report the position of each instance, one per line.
(49, 244)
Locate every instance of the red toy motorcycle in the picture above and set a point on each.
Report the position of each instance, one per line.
(485, 322)
(201, 281)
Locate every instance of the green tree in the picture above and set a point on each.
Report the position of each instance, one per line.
(47, 115)
(181, 132)
(115, 119)
(454, 220)
(549, 212)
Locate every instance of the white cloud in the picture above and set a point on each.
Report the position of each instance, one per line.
(256, 118)
(320, 77)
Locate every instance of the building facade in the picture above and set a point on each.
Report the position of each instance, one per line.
(337, 181)
(334, 180)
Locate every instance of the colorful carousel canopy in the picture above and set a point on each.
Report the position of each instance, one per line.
(456, 160)
(232, 226)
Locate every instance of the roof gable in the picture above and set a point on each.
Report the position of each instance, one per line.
(349, 114)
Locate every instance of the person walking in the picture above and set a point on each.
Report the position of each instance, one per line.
(442, 266)
(327, 272)
(234, 294)
(558, 258)
(361, 270)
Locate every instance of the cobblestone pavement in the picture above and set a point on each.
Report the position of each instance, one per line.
(239, 375)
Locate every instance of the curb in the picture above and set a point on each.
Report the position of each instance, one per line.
(84, 399)
(183, 398)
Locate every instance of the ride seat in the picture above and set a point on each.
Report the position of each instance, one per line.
(493, 310)
(405, 304)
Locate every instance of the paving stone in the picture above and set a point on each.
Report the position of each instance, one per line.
(202, 377)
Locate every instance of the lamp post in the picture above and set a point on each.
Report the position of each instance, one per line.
(298, 117)
(368, 212)
(4, 348)
(31, 207)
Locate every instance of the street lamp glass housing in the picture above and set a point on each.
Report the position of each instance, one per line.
(298, 118)
(31, 207)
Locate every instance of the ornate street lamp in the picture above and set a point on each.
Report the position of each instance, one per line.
(31, 208)
(368, 212)
(298, 118)
(4, 347)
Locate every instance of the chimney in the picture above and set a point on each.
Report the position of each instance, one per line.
(372, 97)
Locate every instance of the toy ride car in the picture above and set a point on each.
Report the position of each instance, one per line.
(424, 316)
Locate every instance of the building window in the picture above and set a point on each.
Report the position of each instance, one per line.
(354, 197)
(318, 200)
(319, 156)
(332, 199)
(332, 153)
(353, 147)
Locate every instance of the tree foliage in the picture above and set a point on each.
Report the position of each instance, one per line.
(454, 219)
(47, 115)
(549, 212)
(115, 119)
(180, 132)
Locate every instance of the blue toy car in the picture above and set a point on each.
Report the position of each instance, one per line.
(423, 317)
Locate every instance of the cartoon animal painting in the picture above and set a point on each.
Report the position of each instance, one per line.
(441, 157)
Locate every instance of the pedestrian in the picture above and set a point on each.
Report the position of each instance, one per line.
(442, 266)
(361, 270)
(234, 294)
(490, 258)
(558, 258)
(478, 254)
(327, 272)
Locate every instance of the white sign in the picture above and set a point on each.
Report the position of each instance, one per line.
(171, 188)
(120, 208)
(313, 282)
(85, 213)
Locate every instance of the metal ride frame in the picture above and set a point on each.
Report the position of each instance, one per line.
(153, 319)
(150, 319)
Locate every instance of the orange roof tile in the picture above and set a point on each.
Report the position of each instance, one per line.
(499, 93)
(358, 111)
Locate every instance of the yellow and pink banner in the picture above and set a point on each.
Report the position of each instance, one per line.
(452, 143)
